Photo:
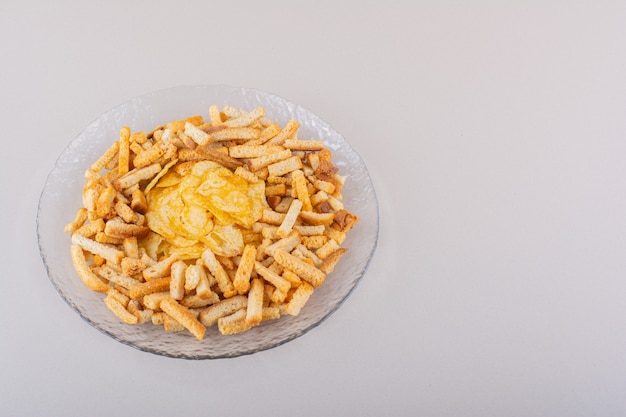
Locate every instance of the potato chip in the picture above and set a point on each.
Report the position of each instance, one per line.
(225, 240)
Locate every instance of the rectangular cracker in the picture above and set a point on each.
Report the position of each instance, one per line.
(107, 252)
(304, 270)
(185, 317)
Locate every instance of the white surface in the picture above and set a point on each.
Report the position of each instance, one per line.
(495, 136)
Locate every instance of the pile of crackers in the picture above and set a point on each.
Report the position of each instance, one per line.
(279, 260)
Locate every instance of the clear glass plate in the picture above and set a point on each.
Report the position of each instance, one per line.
(61, 197)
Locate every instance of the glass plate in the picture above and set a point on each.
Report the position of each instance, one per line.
(61, 197)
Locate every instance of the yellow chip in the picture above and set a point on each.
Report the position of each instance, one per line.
(225, 240)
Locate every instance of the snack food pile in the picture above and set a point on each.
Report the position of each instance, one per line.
(230, 221)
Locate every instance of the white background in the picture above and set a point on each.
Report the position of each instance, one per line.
(495, 135)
